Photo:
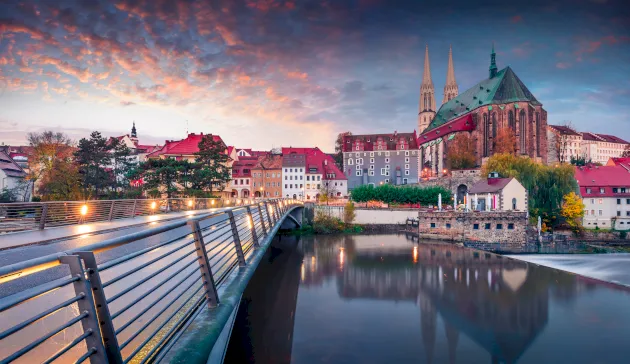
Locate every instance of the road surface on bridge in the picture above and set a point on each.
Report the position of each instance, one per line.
(34, 250)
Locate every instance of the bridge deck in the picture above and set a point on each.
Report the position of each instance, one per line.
(129, 298)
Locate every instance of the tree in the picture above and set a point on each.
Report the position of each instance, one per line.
(339, 149)
(327, 191)
(580, 161)
(122, 164)
(461, 152)
(213, 162)
(348, 213)
(505, 142)
(92, 157)
(160, 176)
(545, 185)
(626, 151)
(47, 150)
(62, 183)
(573, 211)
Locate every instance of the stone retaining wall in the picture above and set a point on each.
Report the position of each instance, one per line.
(507, 228)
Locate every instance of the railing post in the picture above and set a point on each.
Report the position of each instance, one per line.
(135, 203)
(262, 219)
(253, 227)
(276, 210)
(111, 211)
(204, 266)
(112, 350)
(86, 306)
(237, 240)
(268, 215)
(42, 219)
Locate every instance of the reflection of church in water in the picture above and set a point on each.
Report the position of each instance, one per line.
(499, 303)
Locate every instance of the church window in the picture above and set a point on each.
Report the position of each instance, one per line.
(511, 123)
(538, 133)
(486, 135)
(523, 136)
(494, 124)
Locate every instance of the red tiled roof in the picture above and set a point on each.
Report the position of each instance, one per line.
(565, 130)
(318, 161)
(188, 146)
(603, 138)
(621, 161)
(606, 177)
(269, 162)
(491, 185)
(370, 140)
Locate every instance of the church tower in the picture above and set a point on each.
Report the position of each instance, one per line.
(134, 133)
(450, 88)
(426, 111)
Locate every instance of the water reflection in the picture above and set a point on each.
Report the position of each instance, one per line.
(365, 292)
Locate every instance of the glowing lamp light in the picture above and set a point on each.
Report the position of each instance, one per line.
(153, 205)
(212, 202)
(238, 202)
(84, 210)
(444, 171)
(227, 202)
(190, 203)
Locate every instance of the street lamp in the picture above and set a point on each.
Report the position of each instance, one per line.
(84, 210)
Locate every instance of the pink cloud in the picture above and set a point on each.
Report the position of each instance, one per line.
(563, 65)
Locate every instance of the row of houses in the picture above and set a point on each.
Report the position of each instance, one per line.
(566, 143)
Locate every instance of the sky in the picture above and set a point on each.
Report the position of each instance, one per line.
(271, 73)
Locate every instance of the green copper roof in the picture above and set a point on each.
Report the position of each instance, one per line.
(504, 88)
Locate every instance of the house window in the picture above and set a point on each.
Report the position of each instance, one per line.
(593, 201)
(615, 189)
(487, 226)
(386, 160)
(387, 154)
(371, 160)
(514, 204)
(628, 201)
(285, 186)
(593, 212)
(448, 225)
(276, 193)
(600, 212)
(627, 213)
(432, 225)
(510, 226)
(585, 212)
(406, 160)
(499, 226)
(386, 180)
(359, 173)
(371, 173)
(372, 155)
(406, 166)
(405, 180)
(618, 213)
(588, 190)
(372, 166)
(618, 201)
(601, 190)
(407, 153)
(384, 172)
(358, 167)
(406, 173)
(601, 201)
(350, 161)
(475, 226)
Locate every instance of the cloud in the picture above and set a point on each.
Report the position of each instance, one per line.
(563, 65)
(126, 103)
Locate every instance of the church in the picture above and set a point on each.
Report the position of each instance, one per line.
(500, 101)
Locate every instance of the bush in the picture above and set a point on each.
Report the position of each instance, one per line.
(348, 213)
(325, 224)
(623, 234)
(402, 194)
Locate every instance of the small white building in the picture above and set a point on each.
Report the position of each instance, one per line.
(498, 194)
(13, 179)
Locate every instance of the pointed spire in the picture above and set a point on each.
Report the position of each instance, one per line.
(450, 73)
(426, 75)
(134, 134)
(493, 63)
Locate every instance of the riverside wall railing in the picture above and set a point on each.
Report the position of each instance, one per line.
(128, 308)
(22, 216)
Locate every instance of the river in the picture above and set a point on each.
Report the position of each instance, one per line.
(388, 299)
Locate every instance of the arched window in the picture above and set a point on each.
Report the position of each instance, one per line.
(486, 135)
(511, 123)
(523, 128)
(514, 204)
(538, 134)
(494, 125)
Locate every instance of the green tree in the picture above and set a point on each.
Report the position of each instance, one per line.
(212, 160)
(62, 183)
(579, 161)
(402, 194)
(93, 157)
(160, 176)
(122, 164)
(546, 185)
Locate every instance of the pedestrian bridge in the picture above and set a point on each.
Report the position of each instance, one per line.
(174, 300)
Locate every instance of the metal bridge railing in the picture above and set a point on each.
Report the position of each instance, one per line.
(39, 215)
(126, 309)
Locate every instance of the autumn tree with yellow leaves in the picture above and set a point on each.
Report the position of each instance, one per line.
(573, 211)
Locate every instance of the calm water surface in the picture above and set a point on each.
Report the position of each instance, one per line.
(388, 299)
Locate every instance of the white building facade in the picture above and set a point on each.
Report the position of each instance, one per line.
(293, 175)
